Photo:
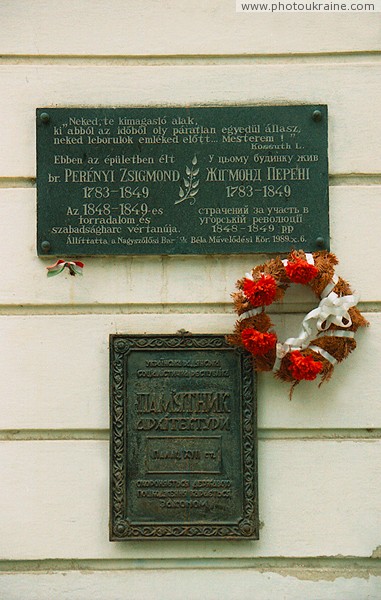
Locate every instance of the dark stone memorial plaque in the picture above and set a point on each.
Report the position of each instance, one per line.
(183, 439)
(182, 180)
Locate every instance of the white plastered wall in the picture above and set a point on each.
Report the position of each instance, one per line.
(319, 455)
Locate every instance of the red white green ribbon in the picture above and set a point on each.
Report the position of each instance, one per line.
(75, 267)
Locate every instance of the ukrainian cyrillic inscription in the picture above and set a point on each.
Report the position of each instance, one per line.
(195, 180)
(183, 443)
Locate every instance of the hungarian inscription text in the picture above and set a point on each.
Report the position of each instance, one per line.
(181, 180)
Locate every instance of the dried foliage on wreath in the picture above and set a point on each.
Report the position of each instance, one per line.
(327, 333)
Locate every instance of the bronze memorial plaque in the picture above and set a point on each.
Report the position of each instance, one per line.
(181, 180)
(183, 439)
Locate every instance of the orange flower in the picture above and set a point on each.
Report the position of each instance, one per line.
(256, 342)
(304, 367)
(260, 292)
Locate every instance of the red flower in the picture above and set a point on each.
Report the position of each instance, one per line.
(260, 292)
(256, 342)
(300, 271)
(304, 367)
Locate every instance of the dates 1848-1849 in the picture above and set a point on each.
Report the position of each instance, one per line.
(182, 180)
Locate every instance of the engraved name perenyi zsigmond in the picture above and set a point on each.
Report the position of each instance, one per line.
(181, 180)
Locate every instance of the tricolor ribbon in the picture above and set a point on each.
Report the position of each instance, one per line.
(75, 267)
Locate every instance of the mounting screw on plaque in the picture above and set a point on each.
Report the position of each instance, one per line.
(45, 246)
(44, 117)
(317, 115)
(320, 242)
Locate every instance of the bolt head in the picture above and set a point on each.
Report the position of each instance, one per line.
(44, 117)
(45, 246)
(317, 115)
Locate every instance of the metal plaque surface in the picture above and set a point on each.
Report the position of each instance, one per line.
(182, 180)
(183, 439)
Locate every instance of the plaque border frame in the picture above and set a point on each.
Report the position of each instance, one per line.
(321, 119)
(120, 528)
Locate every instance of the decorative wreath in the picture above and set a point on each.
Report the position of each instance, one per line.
(327, 333)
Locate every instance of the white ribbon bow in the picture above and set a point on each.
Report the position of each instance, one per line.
(332, 310)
